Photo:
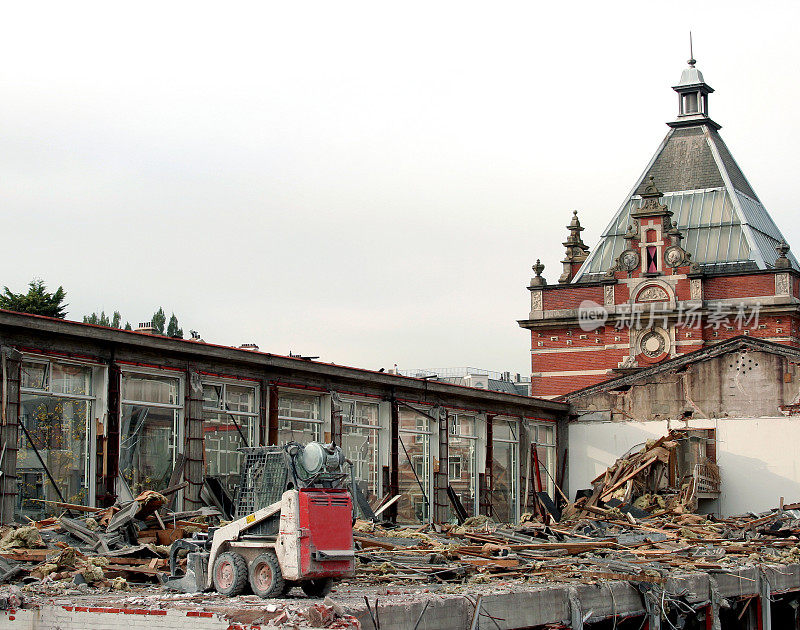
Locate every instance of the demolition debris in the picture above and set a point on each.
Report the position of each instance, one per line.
(633, 526)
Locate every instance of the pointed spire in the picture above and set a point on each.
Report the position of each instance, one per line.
(693, 94)
(577, 250)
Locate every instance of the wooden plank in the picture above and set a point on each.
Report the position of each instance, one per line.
(369, 542)
(628, 476)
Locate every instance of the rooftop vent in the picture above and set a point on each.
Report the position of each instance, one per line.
(146, 327)
(249, 346)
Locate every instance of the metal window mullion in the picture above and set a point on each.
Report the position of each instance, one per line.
(41, 392)
(141, 403)
(280, 417)
(361, 426)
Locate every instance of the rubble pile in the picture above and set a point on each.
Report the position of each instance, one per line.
(105, 548)
(636, 524)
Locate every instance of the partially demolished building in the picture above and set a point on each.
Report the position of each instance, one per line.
(89, 413)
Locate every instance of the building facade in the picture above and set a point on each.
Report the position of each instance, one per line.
(90, 414)
(691, 258)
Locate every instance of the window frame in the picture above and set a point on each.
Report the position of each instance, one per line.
(99, 378)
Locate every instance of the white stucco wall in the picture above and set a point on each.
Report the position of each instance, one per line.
(759, 458)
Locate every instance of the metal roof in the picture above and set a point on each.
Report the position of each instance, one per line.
(719, 214)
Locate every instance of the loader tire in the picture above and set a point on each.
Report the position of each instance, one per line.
(266, 578)
(230, 574)
(317, 588)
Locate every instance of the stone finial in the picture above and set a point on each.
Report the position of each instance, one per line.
(782, 261)
(675, 234)
(651, 190)
(538, 281)
(652, 206)
(577, 250)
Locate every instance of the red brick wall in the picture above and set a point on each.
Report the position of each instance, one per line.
(570, 297)
(731, 287)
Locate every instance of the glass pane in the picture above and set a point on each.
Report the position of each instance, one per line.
(727, 212)
(504, 467)
(148, 441)
(300, 406)
(34, 375)
(366, 413)
(149, 388)
(693, 214)
(744, 248)
(712, 234)
(360, 446)
(71, 379)
(462, 424)
(724, 240)
(298, 431)
(411, 421)
(707, 201)
(415, 468)
(222, 438)
(546, 435)
(719, 202)
(691, 246)
(241, 398)
(212, 396)
(504, 429)
(58, 429)
(462, 473)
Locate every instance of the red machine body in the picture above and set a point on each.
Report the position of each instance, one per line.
(325, 519)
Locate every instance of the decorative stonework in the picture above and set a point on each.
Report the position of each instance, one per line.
(608, 295)
(653, 343)
(695, 289)
(536, 301)
(782, 284)
(652, 294)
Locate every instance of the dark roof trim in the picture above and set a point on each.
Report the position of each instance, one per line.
(723, 347)
(101, 334)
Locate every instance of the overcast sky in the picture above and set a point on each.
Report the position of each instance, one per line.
(367, 182)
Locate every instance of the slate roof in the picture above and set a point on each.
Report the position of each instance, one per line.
(719, 213)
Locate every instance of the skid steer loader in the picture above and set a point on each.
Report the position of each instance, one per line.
(293, 526)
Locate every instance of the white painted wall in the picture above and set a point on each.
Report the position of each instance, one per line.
(594, 446)
(759, 458)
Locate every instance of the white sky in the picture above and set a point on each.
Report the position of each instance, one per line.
(368, 182)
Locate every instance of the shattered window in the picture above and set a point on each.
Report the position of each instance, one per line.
(504, 469)
(150, 430)
(544, 438)
(56, 403)
(230, 421)
(462, 468)
(415, 469)
(360, 439)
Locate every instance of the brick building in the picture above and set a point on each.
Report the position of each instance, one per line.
(691, 258)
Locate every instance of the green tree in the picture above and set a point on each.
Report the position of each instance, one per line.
(159, 320)
(128, 326)
(172, 328)
(97, 320)
(115, 321)
(37, 301)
